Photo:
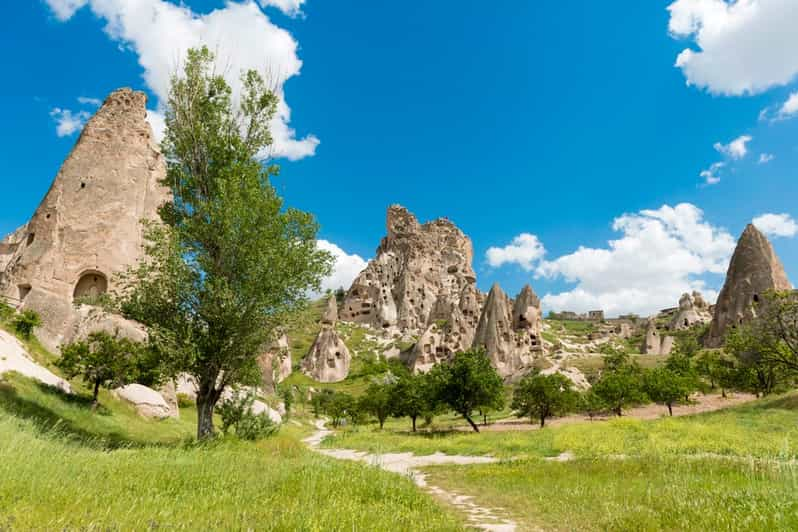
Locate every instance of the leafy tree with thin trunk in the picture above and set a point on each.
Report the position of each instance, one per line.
(621, 383)
(468, 382)
(542, 396)
(412, 397)
(667, 387)
(591, 404)
(101, 361)
(229, 263)
(377, 401)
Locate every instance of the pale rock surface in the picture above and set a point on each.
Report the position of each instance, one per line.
(186, 385)
(328, 359)
(88, 227)
(417, 277)
(753, 270)
(148, 402)
(511, 351)
(14, 357)
(656, 343)
(693, 310)
(573, 374)
(276, 364)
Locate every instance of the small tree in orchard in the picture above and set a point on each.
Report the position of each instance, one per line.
(542, 396)
(591, 404)
(230, 263)
(467, 383)
(620, 384)
(377, 401)
(665, 386)
(101, 361)
(412, 397)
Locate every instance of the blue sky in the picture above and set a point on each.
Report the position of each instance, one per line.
(543, 129)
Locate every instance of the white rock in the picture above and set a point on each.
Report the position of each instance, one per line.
(147, 401)
(13, 357)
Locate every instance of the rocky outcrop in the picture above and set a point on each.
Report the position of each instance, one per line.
(656, 343)
(527, 317)
(693, 310)
(148, 402)
(88, 227)
(14, 357)
(328, 359)
(275, 364)
(417, 278)
(502, 331)
(754, 269)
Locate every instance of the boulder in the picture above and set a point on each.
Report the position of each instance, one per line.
(148, 402)
(14, 357)
(753, 270)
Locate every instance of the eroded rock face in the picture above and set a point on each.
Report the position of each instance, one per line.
(328, 359)
(14, 357)
(418, 276)
(88, 227)
(656, 343)
(693, 310)
(511, 350)
(754, 269)
(275, 364)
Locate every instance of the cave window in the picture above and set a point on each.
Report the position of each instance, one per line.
(31, 238)
(686, 322)
(337, 354)
(756, 298)
(91, 284)
(24, 290)
(83, 185)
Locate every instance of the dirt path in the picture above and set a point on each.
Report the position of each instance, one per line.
(702, 403)
(408, 464)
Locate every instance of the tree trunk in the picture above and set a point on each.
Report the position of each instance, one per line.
(542, 421)
(723, 392)
(618, 411)
(413, 418)
(95, 401)
(670, 409)
(471, 422)
(484, 420)
(382, 422)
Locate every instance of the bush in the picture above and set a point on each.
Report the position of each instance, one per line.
(184, 400)
(541, 396)
(236, 412)
(25, 322)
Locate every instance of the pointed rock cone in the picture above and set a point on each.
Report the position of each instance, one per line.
(330, 316)
(495, 331)
(754, 269)
(88, 227)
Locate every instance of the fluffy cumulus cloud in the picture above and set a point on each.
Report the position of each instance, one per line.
(711, 175)
(525, 250)
(660, 255)
(68, 122)
(765, 158)
(243, 37)
(346, 267)
(740, 46)
(790, 107)
(736, 149)
(775, 225)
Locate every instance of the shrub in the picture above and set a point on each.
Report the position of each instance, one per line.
(540, 396)
(184, 400)
(25, 322)
(236, 412)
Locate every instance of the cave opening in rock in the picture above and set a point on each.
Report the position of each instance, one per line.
(91, 284)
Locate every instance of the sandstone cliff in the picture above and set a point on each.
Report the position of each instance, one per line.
(754, 269)
(328, 359)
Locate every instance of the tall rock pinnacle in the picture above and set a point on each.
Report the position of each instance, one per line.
(754, 269)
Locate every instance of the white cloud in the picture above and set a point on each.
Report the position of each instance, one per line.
(525, 250)
(158, 124)
(84, 100)
(68, 122)
(742, 46)
(710, 175)
(659, 256)
(790, 107)
(289, 7)
(765, 158)
(775, 225)
(736, 149)
(346, 268)
(241, 35)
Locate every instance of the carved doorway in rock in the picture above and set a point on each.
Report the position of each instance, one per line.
(91, 284)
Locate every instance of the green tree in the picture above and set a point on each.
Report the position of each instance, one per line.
(26, 322)
(620, 388)
(666, 386)
(101, 360)
(230, 263)
(412, 397)
(377, 401)
(467, 383)
(541, 396)
(591, 403)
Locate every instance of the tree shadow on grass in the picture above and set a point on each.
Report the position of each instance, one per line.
(788, 401)
(50, 422)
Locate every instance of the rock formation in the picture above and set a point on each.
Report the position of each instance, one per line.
(656, 343)
(418, 275)
(754, 269)
(328, 359)
(275, 364)
(510, 334)
(88, 227)
(693, 310)
(148, 402)
(14, 357)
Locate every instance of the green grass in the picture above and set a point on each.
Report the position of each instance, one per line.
(591, 365)
(765, 429)
(633, 494)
